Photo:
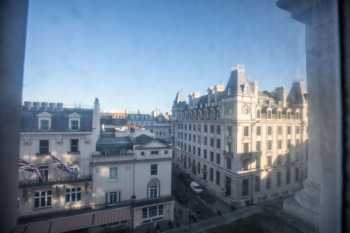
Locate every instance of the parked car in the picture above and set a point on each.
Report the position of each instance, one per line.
(196, 187)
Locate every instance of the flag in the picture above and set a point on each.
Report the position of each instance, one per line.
(63, 166)
(29, 167)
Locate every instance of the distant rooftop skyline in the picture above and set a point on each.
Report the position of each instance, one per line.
(136, 55)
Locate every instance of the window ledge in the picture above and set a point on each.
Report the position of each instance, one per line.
(43, 154)
(73, 152)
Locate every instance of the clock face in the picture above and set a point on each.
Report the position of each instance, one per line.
(246, 108)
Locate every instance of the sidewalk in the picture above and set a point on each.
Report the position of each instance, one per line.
(217, 220)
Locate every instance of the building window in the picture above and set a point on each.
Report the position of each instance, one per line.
(212, 142)
(198, 168)
(199, 151)
(279, 114)
(217, 178)
(112, 198)
(153, 189)
(257, 183)
(279, 144)
(211, 174)
(44, 147)
(269, 114)
(246, 147)
(229, 131)
(74, 145)
(218, 158)
(258, 114)
(205, 141)
(154, 169)
(268, 182)
(211, 156)
(152, 211)
(113, 173)
(246, 131)
(154, 152)
(142, 153)
(279, 130)
(218, 129)
(44, 172)
(269, 144)
(228, 163)
(297, 130)
(288, 176)
(245, 187)
(73, 194)
(269, 130)
(278, 179)
(74, 124)
(258, 131)
(205, 128)
(258, 146)
(289, 130)
(212, 129)
(44, 125)
(144, 212)
(205, 153)
(160, 210)
(218, 143)
(296, 174)
(42, 199)
(205, 172)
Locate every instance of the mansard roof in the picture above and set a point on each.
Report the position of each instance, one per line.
(59, 119)
(113, 144)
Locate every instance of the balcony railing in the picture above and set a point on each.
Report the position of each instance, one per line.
(58, 180)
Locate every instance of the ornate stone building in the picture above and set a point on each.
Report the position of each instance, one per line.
(243, 144)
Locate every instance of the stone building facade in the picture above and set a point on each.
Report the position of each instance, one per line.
(134, 169)
(74, 176)
(56, 145)
(243, 144)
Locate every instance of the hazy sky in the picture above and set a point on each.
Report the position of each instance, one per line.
(138, 54)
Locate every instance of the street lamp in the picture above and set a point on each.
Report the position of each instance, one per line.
(133, 197)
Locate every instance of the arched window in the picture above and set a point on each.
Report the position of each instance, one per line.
(279, 114)
(153, 189)
(258, 114)
(269, 114)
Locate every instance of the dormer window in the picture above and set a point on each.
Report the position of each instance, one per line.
(279, 114)
(269, 114)
(44, 124)
(74, 121)
(44, 121)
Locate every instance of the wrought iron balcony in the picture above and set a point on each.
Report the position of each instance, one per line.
(57, 180)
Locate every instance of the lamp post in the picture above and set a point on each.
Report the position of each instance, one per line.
(133, 197)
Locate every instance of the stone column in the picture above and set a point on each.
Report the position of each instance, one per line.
(319, 202)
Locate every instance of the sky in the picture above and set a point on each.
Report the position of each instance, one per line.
(136, 55)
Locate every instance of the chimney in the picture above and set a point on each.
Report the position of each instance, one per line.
(52, 106)
(36, 105)
(27, 105)
(210, 93)
(59, 106)
(44, 105)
